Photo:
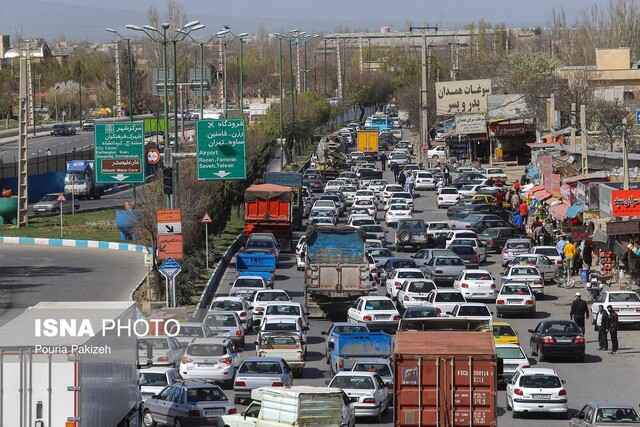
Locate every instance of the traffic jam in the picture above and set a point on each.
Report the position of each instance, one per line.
(408, 295)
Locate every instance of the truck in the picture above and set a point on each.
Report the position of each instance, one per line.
(350, 346)
(295, 406)
(292, 180)
(62, 364)
(268, 209)
(283, 344)
(445, 379)
(331, 157)
(368, 142)
(336, 270)
(80, 179)
(263, 265)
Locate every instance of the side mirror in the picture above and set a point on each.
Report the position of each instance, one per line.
(257, 343)
(324, 333)
(506, 380)
(502, 273)
(327, 382)
(154, 396)
(450, 313)
(563, 381)
(530, 331)
(305, 328)
(250, 307)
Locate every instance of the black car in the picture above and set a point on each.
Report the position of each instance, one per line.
(420, 312)
(63, 129)
(467, 253)
(562, 338)
(496, 237)
(314, 182)
(482, 208)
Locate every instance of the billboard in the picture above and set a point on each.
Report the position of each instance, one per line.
(625, 203)
(470, 123)
(463, 96)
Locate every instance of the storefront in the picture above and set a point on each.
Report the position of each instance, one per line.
(509, 141)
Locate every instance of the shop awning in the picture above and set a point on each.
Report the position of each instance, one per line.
(559, 211)
(574, 210)
(535, 189)
(542, 195)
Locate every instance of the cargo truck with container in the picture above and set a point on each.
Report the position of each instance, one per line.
(445, 379)
(263, 265)
(336, 270)
(351, 346)
(80, 180)
(368, 142)
(292, 180)
(74, 370)
(268, 209)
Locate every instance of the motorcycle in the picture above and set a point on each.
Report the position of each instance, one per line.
(596, 284)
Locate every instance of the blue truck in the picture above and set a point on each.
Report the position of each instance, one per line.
(80, 179)
(351, 346)
(263, 265)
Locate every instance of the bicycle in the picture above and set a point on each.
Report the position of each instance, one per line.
(565, 279)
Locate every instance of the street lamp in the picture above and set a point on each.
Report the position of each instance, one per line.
(291, 40)
(111, 30)
(306, 39)
(222, 35)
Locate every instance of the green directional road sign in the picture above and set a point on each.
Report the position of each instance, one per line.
(221, 149)
(119, 150)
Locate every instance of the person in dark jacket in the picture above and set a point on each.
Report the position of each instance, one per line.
(383, 161)
(613, 329)
(602, 324)
(587, 255)
(402, 178)
(579, 311)
(395, 169)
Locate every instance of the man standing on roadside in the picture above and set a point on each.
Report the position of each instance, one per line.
(383, 161)
(410, 183)
(560, 246)
(579, 311)
(524, 211)
(570, 253)
(613, 329)
(602, 324)
(395, 169)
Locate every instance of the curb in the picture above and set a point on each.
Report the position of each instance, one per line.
(127, 247)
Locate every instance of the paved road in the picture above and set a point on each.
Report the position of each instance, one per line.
(30, 274)
(602, 376)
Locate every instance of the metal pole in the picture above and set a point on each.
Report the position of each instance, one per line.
(241, 79)
(282, 150)
(166, 291)
(206, 242)
(176, 145)
(166, 102)
(293, 102)
(224, 76)
(325, 69)
(625, 156)
(130, 78)
(201, 81)
(583, 140)
(304, 75)
(298, 81)
(424, 123)
(339, 63)
(573, 127)
(61, 206)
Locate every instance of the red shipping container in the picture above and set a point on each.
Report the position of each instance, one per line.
(445, 379)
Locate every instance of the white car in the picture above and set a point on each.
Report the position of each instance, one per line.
(366, 390)
(404, 195)
(323, 221)
(626, 304)
(363, 211)
(472, 311)
(348, 194)
(425, 181)
(365, 195)
(389, 189)
(378, 313)
(436, 153)
(469, 189)
(399, 158)
(360, 220)
(152, 380)
(214, 358)
(260, 299)
(237, 304)
(244, 286)
(286, 308)
(333, 185)
(476, 284)
(478, 246)
(527, 274)
(414, 292)
(366, 203)
(496, 173)
(515, 298)
(513, 358)
(549, 251)
(448, 196)
(397, 278)
(326, 204)
(545, 266)
(393, 200)
(444, 300)
(377, 185)
(292, 324)
(459, 234)
(536, 390)
(397, 212)
(437, 228)
(322, 213)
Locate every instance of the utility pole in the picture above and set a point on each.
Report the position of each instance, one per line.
(325, 67)
(23, 157)
(583, 139)
(118, 93)
(573, 127)
(552, 118)
(339, 62)
(221, 87)
(625, 156)
(298, 78)
(360, 52)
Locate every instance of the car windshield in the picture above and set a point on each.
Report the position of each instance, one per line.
(524, 271)
(617, 416)
(283, 310)
(153, 379)
(379, 304)
(449, 297)
(260, 367)
(248, 283)
(503, 331)
(410, 275)
(224, 320)
(205, 394)
(405, 263)
(206, 350)
(272, 296)
(515, 290)
(473, 310)
(349, 329)
(381, 369)
(226, 305)
(477, 275)
(421, 287)
(547, 251)
(624, 297)
(50, 198)
(420, 313)
(540, 381)
(518, 245)
(510, 353)
(280, 326)
(449, 261)
(357, 383)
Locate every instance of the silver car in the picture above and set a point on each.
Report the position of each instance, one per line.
(444, 270)
(226, 324)
(210, 359)
(159, 350)
(50, 204)
(513, 248)
(257, 372)
(237, 304)
(187, 331)
(245, 286)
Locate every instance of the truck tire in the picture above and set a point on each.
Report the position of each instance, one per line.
(147, 419)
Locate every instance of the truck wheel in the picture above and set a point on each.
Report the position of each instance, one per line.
(177, 423)
(147, 419)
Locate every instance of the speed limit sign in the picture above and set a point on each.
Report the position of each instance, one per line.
(153, 156)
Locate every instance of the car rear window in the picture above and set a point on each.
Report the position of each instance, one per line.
(206, 350)
(624, 297)
(408, 263)
(357, 383)
(547, 251)
(205, 394)
(448, 191)
(473, 310)
(518, 245)
(503, 331)
(153, 379)
(515, 290)
(449, 261)
(248, 283)
(449, 297)
(421, 287)
(349, 329)
(217, 320)
(477, 276)
(510, 353)
(540, 381)
(259, 367)
(283, 310)
(188, 331)
(280, 326)
(272, 296)
(379, 304)
(381, 369)
(226, 305)
(463, 250)
(410, 275)
(420, 313)
(524, 271)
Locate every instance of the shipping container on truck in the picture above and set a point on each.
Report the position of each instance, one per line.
(445, 379)
(268, 209)
(348, 347)
(368, 142)
(336, 270)
(82, 380)
(294, 181)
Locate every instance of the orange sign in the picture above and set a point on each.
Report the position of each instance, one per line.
(625, 203)
(168, 215)
(170, 246)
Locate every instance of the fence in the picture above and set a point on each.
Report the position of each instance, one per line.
(43, 163)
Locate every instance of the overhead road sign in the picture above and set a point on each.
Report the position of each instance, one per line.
(221, 147)
(119, 151)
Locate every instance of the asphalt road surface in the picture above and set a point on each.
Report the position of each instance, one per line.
(30, 274)
(601, 377)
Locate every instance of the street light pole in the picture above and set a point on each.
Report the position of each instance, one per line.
(241, 77)
(325, 66)
(282, 150)
(293, 102)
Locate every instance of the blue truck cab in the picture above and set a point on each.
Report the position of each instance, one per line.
(348, 347)
(263, 265)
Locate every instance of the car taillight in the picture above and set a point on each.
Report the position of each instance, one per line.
(233, 411)
(277, 384)
(396, 317)
(374, 270)
(537, 282)
(398, 284)
(518, 392)
(438, 271)
(238, 333)
(465, 285)
(369, 400)
(500, 302)
(548, 340)
(559, 262)
(193, 413)
(440, 198)
(407, 298)
(578, 340)
(273, 252)
(259, 309)
(525, 366)
(468, 226)
(390, 386)
(340, 363)
(240, 384)
(438, 310)
(390, 213)
(616, 309)
(186, 360)
(529, 302)
(367, 318)
(428, 235)
(489, 242)
(261, 354)
(493, 286)
(562, 392)
(505, 251)
(225, 360)
(475, 260)
(243, 314)
(410, 213)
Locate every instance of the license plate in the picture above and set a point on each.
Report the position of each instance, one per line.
(563, 340)
(541, 396)
(213, 412)
(513, 301)
(206, 365)
(479, 295)
(353, 399)
(628, 309)
(382, 316)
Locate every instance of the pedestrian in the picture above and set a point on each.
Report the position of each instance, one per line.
(410, 183)
(383, 161)
(499, 199)
(440, 186)
(613, 329)
(408, 125)
(515, 202)
(538, 235)
(517, 220)
(445, 174)
(535, 224)
(48, 151)
(516, 187)
(579, 311)
(490, 182)
(524, 211)
(560, 246)
(587, 255)
(570, 253)
(602, 324)
(402, 178)
(395, 169)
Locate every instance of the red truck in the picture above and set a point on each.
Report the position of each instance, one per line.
(268, 209)
(445, 379)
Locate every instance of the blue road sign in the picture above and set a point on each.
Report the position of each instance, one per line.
(638, 117)
(170, 268)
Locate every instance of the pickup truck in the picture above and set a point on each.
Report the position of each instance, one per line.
(348, 347)
(263, 265)
(286, 345)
